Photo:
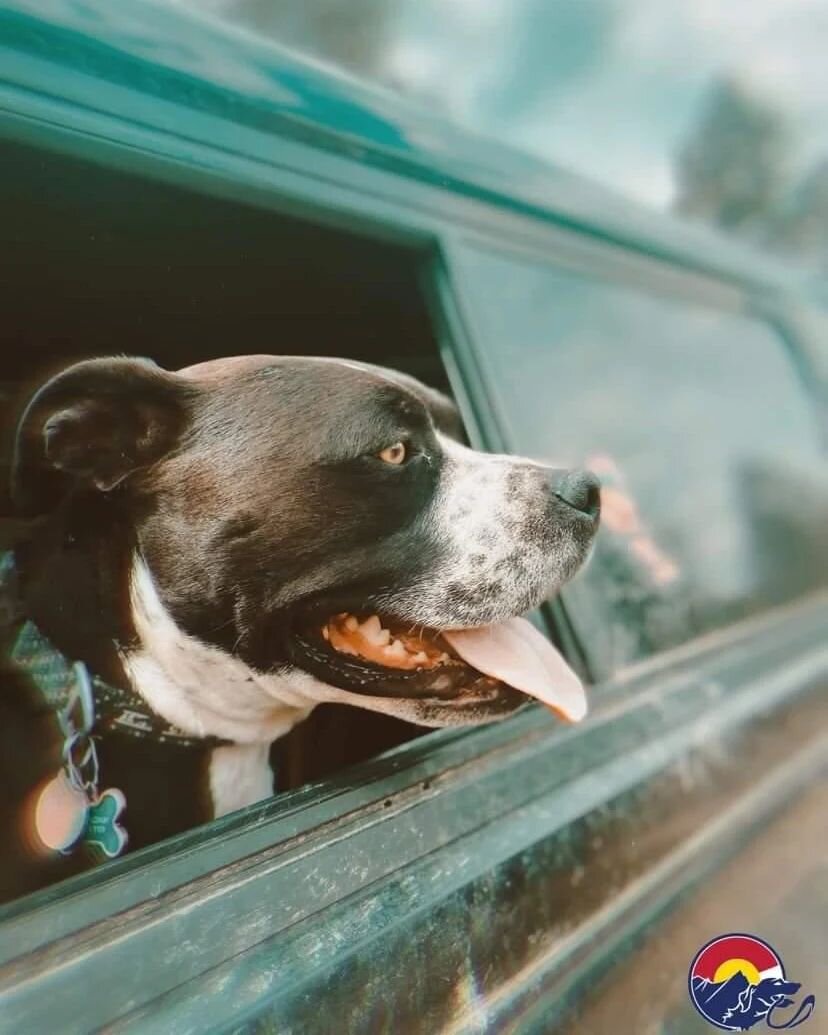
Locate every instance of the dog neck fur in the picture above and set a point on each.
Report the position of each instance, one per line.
(199, 688)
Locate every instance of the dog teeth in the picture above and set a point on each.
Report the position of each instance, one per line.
(374, 633)
(371, 641)
(396, 650)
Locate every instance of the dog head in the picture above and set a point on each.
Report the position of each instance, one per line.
(317, 521)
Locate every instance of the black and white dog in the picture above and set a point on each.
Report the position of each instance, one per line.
(239, 541)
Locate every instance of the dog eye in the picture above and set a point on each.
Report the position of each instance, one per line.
(396, 454)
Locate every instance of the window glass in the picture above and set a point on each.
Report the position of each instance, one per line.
(716, 111)
(715, 495)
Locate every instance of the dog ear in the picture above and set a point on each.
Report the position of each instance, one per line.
(92, 426)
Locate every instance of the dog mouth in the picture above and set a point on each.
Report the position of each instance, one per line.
(496, 667)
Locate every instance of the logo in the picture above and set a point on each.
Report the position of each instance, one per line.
(738, 981)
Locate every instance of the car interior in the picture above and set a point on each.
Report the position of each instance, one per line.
(109, 263)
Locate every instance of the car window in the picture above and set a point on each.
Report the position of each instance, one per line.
(695, 418)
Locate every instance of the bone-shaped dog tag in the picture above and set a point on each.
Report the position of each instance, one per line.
(102, 827)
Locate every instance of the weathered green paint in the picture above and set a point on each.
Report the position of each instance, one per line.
(285, 906)
(162, 73)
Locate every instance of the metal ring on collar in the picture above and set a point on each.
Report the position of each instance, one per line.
(81, 694)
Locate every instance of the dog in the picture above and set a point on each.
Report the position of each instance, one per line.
(226, 546)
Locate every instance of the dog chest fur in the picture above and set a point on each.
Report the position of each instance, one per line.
(240, 775)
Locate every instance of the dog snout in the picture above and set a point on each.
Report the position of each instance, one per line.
(581, 490)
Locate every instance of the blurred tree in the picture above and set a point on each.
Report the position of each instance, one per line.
(802, 226)
(352, 35)
(733, 169)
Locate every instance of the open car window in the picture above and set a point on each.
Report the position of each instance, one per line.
(110, 263)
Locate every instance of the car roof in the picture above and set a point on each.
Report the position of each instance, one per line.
(166, 49)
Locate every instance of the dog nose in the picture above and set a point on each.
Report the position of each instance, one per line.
(581, 490)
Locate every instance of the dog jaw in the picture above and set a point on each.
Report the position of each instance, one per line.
(207, 692)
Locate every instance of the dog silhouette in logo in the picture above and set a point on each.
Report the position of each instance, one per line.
(739, 1004)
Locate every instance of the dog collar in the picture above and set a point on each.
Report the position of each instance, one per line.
(116, 710)
(71, 811)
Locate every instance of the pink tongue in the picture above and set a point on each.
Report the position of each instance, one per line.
(517, 654)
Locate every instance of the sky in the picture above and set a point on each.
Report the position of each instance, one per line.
(611, 88)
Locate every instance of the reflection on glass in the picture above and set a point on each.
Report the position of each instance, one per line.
(716, 500)
(716, 110)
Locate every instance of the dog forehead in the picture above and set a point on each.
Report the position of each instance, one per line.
(336, 383)
(316, 368)
(227, 368)
(332, 406)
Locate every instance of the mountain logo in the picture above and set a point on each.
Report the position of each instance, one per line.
(737, 981)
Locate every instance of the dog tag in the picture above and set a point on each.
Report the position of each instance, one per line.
(60, 814)
(102, 827)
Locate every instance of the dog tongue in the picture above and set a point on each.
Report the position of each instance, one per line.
(517, 654)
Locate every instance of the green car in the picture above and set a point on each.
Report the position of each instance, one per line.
(173, 190)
